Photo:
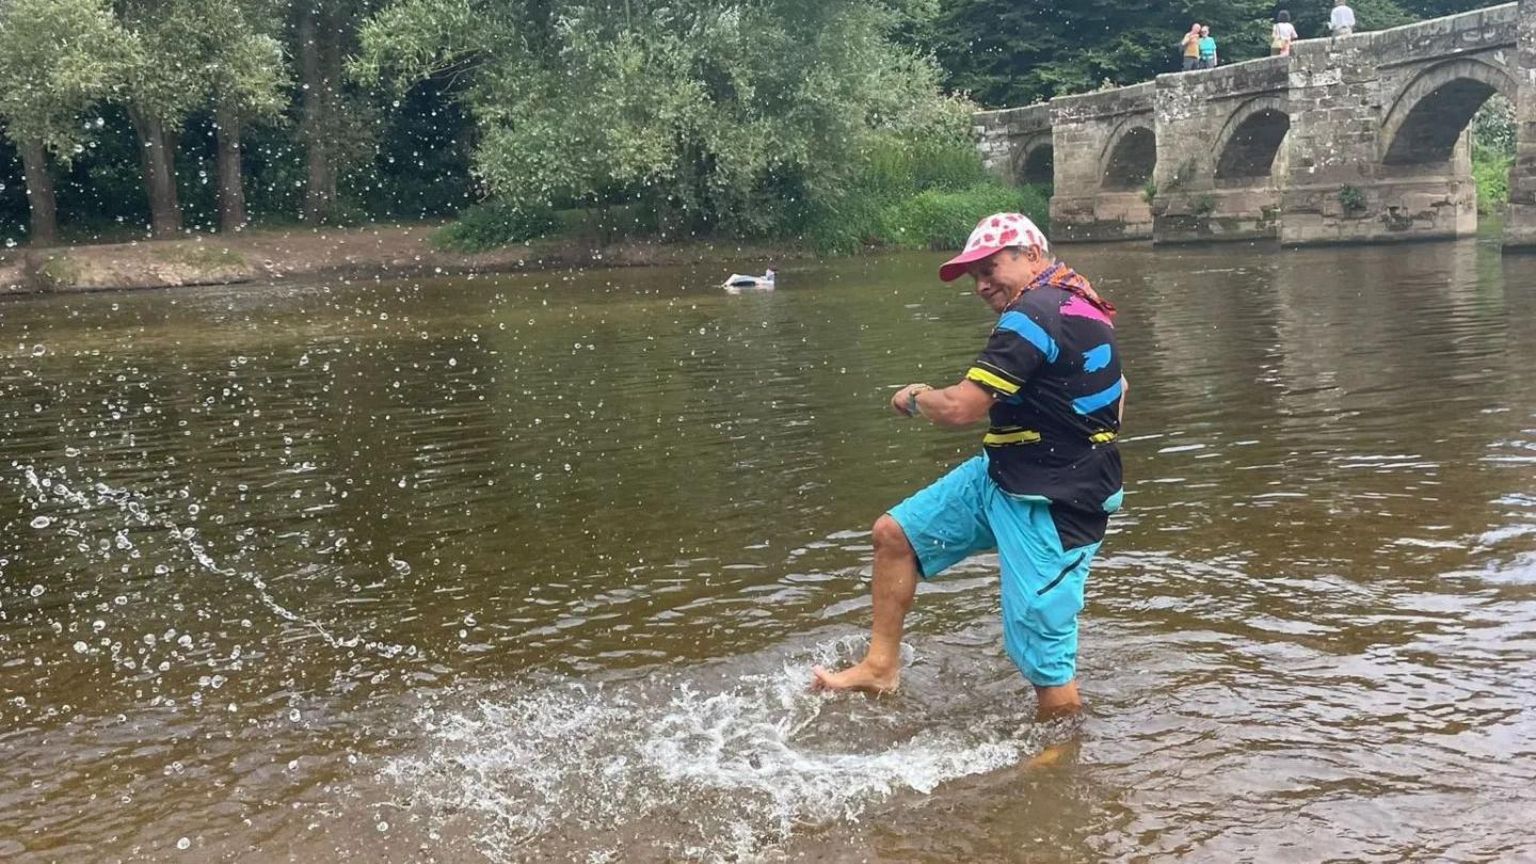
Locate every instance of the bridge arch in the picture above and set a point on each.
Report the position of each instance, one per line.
(1034, 162)
(1429, 116)
(1129, 157)
(1247, 145)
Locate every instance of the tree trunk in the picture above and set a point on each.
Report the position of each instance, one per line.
(231, 182)
(156, 154)
(317, 48)
(45, 220)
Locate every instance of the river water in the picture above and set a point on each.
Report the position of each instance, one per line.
(533, 568)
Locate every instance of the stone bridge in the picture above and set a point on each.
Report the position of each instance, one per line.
(1358, 139)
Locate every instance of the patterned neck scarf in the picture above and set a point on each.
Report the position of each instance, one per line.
(1059, 275)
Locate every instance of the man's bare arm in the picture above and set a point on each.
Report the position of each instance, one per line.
(955, 407)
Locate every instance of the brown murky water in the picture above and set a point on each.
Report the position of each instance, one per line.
(532, 568)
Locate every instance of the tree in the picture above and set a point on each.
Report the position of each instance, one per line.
(246, 78)
(718, 115)
(162, 89)
(333, 122)
(1311, 16)
(1017, 52)
(57, 59)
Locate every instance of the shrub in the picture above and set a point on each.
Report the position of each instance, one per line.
(939, 219)
(1490, 171)
(496, 223)
(914, 195)
(1351, 198)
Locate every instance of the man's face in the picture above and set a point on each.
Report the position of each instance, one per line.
(1000, 277)
(1205, 31)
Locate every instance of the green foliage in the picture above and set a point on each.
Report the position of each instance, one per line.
(1311, 16)
(745, 120)
(1017, 52)
(885, 179)
(943, 219)
(1205, 205)
(1149, 191)
(1493, 153)
(497, 223)
(166, 80)
(1493, 127)
(242, 58)
(410, 41)
(1491, 173)
(57, 59)
(1352, 198)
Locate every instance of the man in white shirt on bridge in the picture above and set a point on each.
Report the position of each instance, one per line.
(1342, 21)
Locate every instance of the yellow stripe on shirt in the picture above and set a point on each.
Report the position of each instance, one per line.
(996, 382)
(1022, 436)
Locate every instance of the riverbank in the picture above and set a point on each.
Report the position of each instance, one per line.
(376, 251)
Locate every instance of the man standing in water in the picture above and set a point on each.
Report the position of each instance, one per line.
(1048, 477)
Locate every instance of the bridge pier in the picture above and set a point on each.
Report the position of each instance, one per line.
(1220, 137)
(1105, 147)
(1379, 150)
(1520, 227)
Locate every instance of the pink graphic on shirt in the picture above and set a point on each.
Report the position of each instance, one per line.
(1081, 308)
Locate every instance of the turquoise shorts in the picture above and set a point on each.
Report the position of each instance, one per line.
(963, 513)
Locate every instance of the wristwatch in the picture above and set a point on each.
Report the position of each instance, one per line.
(912, 399)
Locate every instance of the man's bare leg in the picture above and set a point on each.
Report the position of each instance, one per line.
(894, 586)
(1054, 702)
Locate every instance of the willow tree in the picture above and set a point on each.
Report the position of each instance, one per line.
(728, 116)
(57, 59)
(162, 88)
(245, 76)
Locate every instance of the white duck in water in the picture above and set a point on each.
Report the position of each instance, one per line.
(737, 281)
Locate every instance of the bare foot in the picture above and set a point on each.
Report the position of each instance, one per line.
(863, 676)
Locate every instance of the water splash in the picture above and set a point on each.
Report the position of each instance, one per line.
(54, 488)
(672, 768)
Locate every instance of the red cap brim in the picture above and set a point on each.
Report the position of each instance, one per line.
(954, 268)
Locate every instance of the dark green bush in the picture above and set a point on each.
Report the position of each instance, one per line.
(496, 223)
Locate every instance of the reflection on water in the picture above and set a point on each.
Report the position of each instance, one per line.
(532, 568)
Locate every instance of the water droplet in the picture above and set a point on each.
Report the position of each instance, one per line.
(183, 843)
(41, 522)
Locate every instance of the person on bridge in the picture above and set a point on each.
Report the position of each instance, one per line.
(1282, 35)
(1207, 48)
(1047, 478)
(1191, 46)
(1342, 21)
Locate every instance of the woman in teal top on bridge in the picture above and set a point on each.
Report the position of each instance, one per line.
(1207, 48)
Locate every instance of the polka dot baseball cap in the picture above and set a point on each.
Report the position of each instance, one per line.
(993, 234)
